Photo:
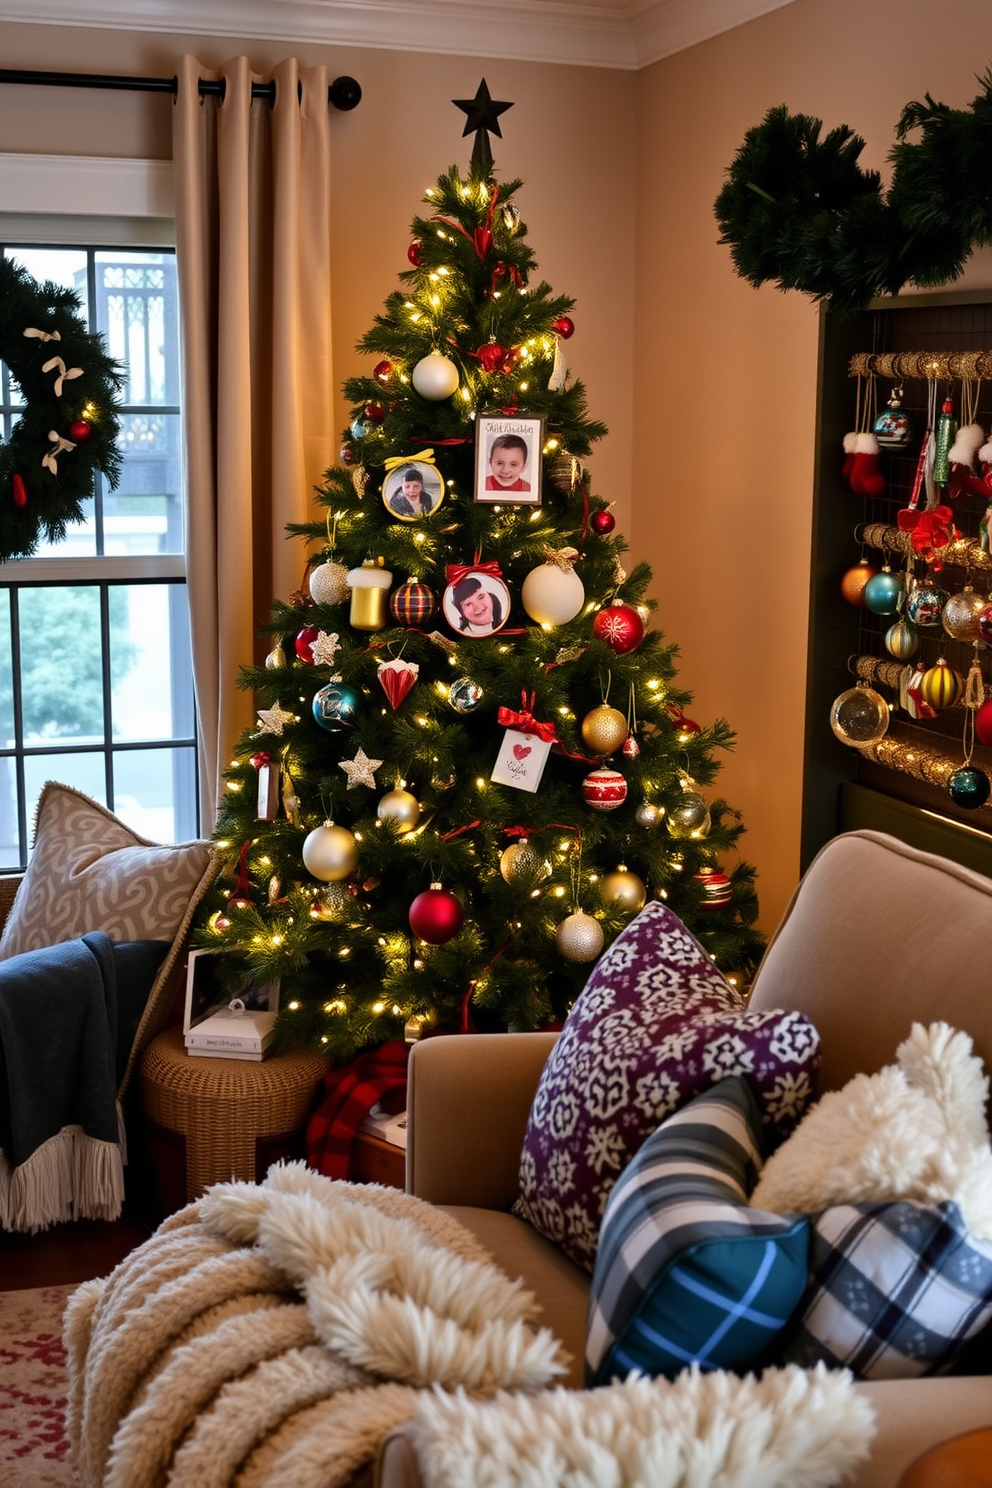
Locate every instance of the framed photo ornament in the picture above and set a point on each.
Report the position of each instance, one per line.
(412, 489)
(476, 602)
(508, 460)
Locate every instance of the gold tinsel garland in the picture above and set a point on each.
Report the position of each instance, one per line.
(963, 552)
(924, 365)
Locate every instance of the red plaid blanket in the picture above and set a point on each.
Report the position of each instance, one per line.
(350, 1092)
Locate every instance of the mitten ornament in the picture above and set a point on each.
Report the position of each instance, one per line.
(849, 442)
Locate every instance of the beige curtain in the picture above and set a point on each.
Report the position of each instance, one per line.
(253, 228)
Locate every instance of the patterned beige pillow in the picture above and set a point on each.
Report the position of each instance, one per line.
(88, 871)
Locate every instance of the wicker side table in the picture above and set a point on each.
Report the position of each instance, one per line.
(220, 1118)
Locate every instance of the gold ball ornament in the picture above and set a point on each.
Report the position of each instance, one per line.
(552, 595)
(690, 816)
(959, 616)
(276, 657)
(521, 862)
(328, 583)
(852, 585)
(579, 938)
(902, 640)
(859, 716)
(332, 903)
(400, 807)
(330, 852)
(941, 686)
(623, 890)
(604, 730)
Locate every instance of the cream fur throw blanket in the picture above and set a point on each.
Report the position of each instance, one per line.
(272, 1334)
(915, 1131)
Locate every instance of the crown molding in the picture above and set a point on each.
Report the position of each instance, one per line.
(86, 185)
(624, 34)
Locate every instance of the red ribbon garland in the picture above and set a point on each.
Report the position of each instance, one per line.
(526, 722)
(455, 572)
(585, 512)
(242, 886)
(930, 529)
(506, 271)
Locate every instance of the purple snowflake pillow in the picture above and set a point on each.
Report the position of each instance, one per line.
(655, 1025)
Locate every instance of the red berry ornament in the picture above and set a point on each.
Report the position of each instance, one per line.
(304, 642)
(620, 626)
(80, 431)
(375, 413)
(563, 326)
(382, 372)
(436, 915)
(603, 522)
(415, 253)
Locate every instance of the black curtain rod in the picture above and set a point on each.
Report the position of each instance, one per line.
(344, 93)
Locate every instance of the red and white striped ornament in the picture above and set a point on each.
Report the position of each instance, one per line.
(604, 790)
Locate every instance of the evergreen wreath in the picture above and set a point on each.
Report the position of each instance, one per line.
(69, 425)
(798, 210)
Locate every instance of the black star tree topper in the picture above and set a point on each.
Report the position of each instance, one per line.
(483, 118)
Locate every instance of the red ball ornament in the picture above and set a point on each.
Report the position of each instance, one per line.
(717, 888)
(604, 790)
(603, 522)
(347, 454)
(375, 413)
(563, 326)
(80, 431)
(436, 915)
(983, 724)
(415, 253)
(620, 626)
(304, 642)
(20, 490)
(491, 356)
(985, 624)
(382, 372)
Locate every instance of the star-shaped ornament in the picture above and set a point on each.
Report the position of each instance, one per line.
(273, 720)
(361, 770)
(325, 648)
(483, 119)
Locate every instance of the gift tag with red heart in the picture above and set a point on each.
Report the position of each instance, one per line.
(521, 760)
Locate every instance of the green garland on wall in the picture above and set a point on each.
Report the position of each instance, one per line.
(69, 425)
(797, 209)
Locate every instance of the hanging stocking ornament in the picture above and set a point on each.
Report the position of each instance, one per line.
(962, 457)
(970, 787)
(861, 462)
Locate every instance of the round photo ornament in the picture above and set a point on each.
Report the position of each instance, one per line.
(476, 601)
(413, 487)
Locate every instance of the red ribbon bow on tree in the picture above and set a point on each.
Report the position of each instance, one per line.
(930, 529)
(509, 271)
(455, 572)
(482, 238)
(525, 720)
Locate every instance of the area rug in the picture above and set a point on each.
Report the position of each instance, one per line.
(34, 1446)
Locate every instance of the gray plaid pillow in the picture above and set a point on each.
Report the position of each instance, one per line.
(895, 1290)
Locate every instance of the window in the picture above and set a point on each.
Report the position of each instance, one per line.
(95, 665)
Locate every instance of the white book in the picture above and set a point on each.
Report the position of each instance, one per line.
(232, 1033)
(226, 1054)
(391, 1129)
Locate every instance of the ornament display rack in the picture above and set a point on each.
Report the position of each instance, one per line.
(898, 785)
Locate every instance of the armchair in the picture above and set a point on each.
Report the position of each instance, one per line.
(877, 936)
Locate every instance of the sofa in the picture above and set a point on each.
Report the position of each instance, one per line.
(877, 936)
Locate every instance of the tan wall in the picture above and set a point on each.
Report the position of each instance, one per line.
(726, 390)
(568, 137)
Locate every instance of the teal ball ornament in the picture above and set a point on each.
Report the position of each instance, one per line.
(883, 593)
(969, 787)
(335, 707)
(925, 604)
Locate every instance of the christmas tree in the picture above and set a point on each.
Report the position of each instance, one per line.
(472, 762)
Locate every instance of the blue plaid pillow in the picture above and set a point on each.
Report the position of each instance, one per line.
(685, 1272)
(896, 1290)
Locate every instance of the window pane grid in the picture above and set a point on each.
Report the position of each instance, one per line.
(95, 669)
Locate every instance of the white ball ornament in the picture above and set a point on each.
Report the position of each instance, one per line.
(580, 937)
(435, 377)
(328, 583)
(552, 595)
(330, 853)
